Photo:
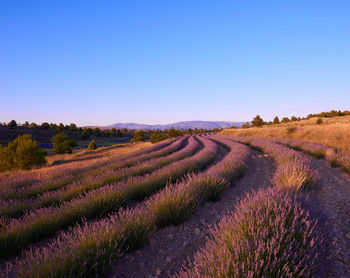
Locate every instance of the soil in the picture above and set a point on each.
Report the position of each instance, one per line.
(333, 194)
(172, 247)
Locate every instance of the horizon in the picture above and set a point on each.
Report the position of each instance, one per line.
(158, 63)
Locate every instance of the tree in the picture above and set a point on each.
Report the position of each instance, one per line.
(257, 121)
(12, 124)
(157, 136)
(26, 124)
(246, 125)
(45, 125)
(138, 137)
(113, 132)
(85, 134)
(119, 133)
(285, 120)
(33, 125)
(174, 133)
(62, 143)
(22, 153)
(276, 120)
(293, 118)
(92, 145)
(73, 127)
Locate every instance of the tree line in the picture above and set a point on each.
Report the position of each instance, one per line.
(258, 121)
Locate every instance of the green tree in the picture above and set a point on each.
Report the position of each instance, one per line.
(45, 125)
(85, 134)
(113, 132)
(22, 153)
(73, 127)
(138, 136)
(33, 125)
(12, 124)
(285, 120)
(26, 124)
(92, 145)
(257, 121)
(246, 125)
(62, 143)
(174, 133)
(276, 120)
(157, 136)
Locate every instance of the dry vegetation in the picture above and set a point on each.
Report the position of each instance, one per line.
(333, 132)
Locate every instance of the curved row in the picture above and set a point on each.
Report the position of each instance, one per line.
(271, 233)
(31, 177)
(45, 222)
(333, 156)
(98, 168)
(16, 207)
(294, 169)
(89, 249)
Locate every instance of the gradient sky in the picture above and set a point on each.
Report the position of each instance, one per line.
(102, 62)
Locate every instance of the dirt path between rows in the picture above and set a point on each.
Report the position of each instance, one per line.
(333, 193)
(171, 247)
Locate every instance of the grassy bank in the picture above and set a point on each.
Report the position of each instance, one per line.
(333, 132)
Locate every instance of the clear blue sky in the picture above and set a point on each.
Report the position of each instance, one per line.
(101, 62)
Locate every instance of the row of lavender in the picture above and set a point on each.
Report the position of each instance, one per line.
(87, 250)
(334, 156)
(44, 222)
(16, 207)
(63, 177)
(271, 232)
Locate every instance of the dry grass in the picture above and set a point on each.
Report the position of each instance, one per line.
(333, 132)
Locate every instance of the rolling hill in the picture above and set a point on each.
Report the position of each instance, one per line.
(179, 125)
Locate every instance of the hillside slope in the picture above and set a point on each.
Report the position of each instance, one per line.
(334, 132)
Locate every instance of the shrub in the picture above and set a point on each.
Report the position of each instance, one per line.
(92, 145)
(21, 153)
(319, 121)
(291, 129)
(138, 137)
(62, 143)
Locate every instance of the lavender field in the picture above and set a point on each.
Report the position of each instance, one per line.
(232, 206)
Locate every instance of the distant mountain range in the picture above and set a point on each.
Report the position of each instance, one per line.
(178, 125)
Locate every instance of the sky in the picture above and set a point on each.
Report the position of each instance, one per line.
(103, 62)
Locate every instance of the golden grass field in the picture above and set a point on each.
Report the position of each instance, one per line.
(334, 132)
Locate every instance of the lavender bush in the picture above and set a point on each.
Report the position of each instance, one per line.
(44, 222)
(131, 229)
(270, 234)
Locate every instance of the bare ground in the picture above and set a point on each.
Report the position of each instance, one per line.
(172, 247)
(333, 194)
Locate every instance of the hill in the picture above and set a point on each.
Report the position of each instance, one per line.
(180, 125)
(334, 132)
